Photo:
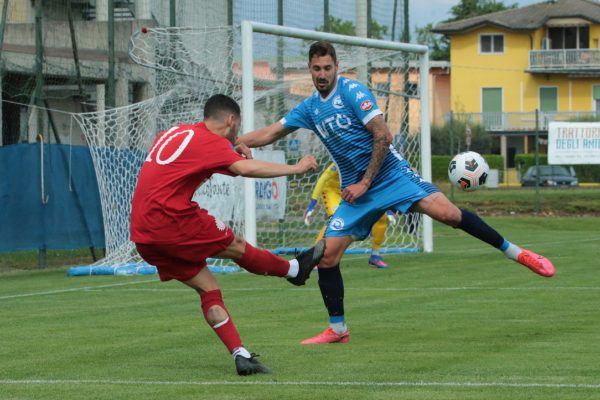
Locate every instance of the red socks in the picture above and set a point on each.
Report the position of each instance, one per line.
(225, 330)
(263, 262)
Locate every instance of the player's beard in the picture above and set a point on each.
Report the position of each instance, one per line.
(326, 89)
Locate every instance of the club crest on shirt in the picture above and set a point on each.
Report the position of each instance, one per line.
(337, 224)
(337, 102)
(366, 105)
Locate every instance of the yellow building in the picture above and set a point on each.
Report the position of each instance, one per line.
(508, 64)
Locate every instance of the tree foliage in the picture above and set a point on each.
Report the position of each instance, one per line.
(473, 8)
(454, 131)
(345, 27)
(438, 44)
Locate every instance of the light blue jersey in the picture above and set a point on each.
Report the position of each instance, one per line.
(339, 120)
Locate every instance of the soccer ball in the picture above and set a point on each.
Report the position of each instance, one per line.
(468, 171)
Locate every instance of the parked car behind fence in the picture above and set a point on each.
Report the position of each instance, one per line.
(550, 175)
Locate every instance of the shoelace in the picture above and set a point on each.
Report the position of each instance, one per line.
(533, 259)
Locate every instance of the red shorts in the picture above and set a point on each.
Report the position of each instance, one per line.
(183, 261)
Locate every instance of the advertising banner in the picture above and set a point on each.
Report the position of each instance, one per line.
(271, 193)
(571, 143)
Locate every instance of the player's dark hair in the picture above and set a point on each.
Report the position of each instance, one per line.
(321, 49)
(220, 104)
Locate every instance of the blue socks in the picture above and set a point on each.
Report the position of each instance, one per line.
(510, 250)
(332, 290)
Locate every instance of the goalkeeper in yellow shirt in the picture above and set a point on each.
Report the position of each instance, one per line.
(328, 188)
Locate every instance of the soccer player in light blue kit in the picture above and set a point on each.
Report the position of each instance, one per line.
(374, 178)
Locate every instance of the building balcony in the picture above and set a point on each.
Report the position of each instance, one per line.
(522, 122)
(585, 62)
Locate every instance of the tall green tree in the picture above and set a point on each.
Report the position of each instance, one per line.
(345, 27)
(473, 8)
(438, 44)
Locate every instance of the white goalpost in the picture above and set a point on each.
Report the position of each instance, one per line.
(248, 28)
(264, 67)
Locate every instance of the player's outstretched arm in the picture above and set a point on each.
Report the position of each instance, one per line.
(265, 169)
(263, 136)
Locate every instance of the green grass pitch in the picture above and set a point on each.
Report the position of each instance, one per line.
(460, 323)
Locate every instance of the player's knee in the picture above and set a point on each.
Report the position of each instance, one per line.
(451, 216)
(330, 258)
(216, 315)
(237, 247)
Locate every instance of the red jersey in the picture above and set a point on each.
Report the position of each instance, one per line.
(179, 161)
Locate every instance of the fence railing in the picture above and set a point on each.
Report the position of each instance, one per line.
(522, 121)
(564, 59)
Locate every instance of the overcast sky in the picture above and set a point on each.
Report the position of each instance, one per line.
(438, 10)
(308, 14)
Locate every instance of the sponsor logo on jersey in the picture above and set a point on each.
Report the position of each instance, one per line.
(328, 125)
(337, 224)
(360, 95)
(337, 102)
(352, 86)
(366, 105)
(316, 111)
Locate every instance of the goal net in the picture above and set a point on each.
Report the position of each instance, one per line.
(190, 65)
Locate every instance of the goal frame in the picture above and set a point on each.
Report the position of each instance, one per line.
(250, 27)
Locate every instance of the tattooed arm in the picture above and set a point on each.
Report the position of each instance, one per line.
(382, 138)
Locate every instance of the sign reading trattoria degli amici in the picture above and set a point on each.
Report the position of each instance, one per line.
(574, 143)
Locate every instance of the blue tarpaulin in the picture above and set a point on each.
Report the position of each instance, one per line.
(72, 216)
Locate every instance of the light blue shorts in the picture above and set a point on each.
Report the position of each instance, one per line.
(357, 219)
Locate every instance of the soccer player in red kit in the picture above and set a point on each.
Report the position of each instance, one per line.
(176, 235)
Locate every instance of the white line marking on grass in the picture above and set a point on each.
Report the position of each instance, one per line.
(594, 386)
(484, 249)
(79, 289)
(366, 289)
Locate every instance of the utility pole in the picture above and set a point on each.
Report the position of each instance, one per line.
(76, 56)
(37, 100)
(110, 80)
(39, 65)
(280, 106)
(326, 22)
(2, 26)
(361, 31)
(537, 162)
(3, 23)
(391, 65)
(406, 75)
(173, 13)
